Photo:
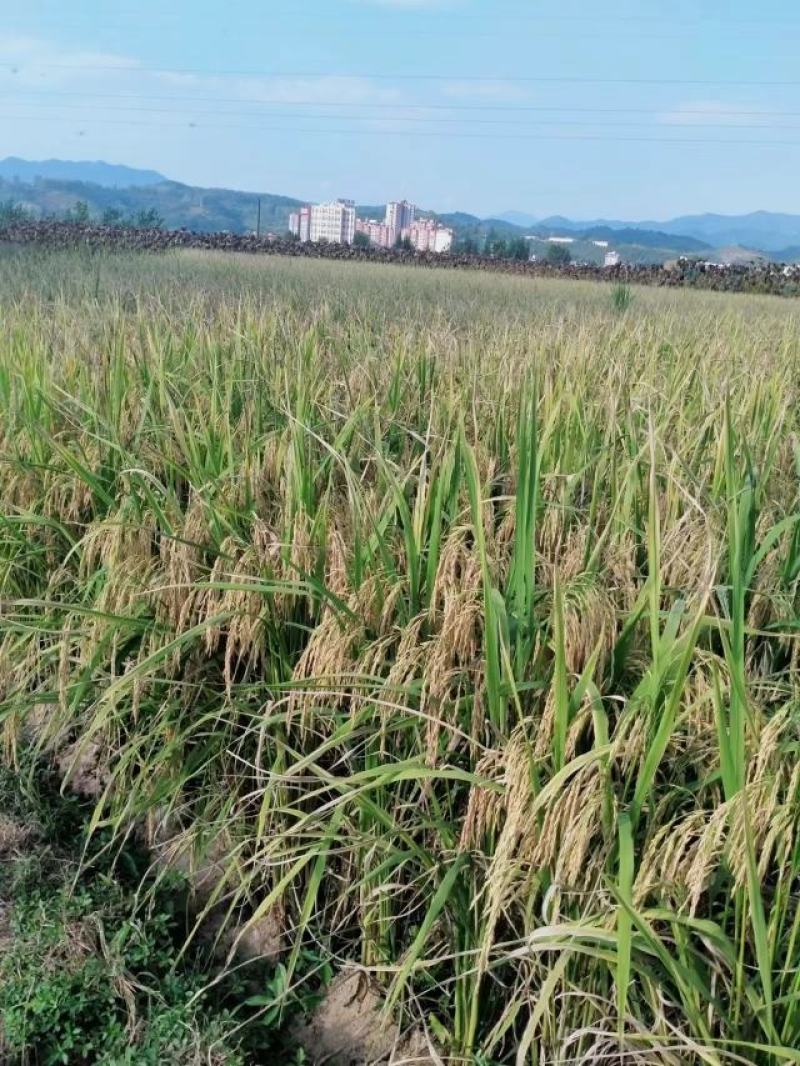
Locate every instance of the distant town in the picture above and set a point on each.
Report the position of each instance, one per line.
(100, 193)
(336, 223)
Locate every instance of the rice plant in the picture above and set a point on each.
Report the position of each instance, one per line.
(447, 624)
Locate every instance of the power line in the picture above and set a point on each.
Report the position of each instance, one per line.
(328, 130)
(192, 111)
(505, 79)
(408, 105)
(507, 17)
(641, 32)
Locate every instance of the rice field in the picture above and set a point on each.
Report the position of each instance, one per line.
(443, 628)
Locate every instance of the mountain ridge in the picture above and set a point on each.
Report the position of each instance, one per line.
(96, 172)
(769, 231)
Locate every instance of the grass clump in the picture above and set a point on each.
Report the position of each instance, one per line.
(440, 630)
(621, 297)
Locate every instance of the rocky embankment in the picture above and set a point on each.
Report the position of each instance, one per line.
(770, 278)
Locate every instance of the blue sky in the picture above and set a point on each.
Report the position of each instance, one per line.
(620, 110)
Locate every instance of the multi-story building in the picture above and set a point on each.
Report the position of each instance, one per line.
(300, 224)
(612, 259)
(333, 222)
(379, 234)
(304, 232)
(426, 235)
(421, 234)
(400, 215)
(443, 239)
(336, 223)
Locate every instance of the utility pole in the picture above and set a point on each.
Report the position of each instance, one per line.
(258, 223)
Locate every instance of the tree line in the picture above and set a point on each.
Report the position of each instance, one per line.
(516, 248)
(12, 212)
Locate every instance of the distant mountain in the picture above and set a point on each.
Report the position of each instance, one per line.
(788, 255)
(766, 230)
(178, 205)
(645, 238)
(617, 234)
(518, 218)
(555, 223)
(97, 173)
(735, 256)
(466, 225)
(461, 219)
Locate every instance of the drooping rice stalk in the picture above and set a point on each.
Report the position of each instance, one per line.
(448, 624)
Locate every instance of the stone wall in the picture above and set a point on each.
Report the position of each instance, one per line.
(770, 278)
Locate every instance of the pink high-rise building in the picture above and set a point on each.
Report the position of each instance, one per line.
(426, 235)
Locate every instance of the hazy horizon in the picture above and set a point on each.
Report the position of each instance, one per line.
(432, 207)
(647, 111)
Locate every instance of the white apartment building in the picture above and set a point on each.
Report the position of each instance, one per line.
(333, 222)
(612, 259)
(304, 232)
(443, 240)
